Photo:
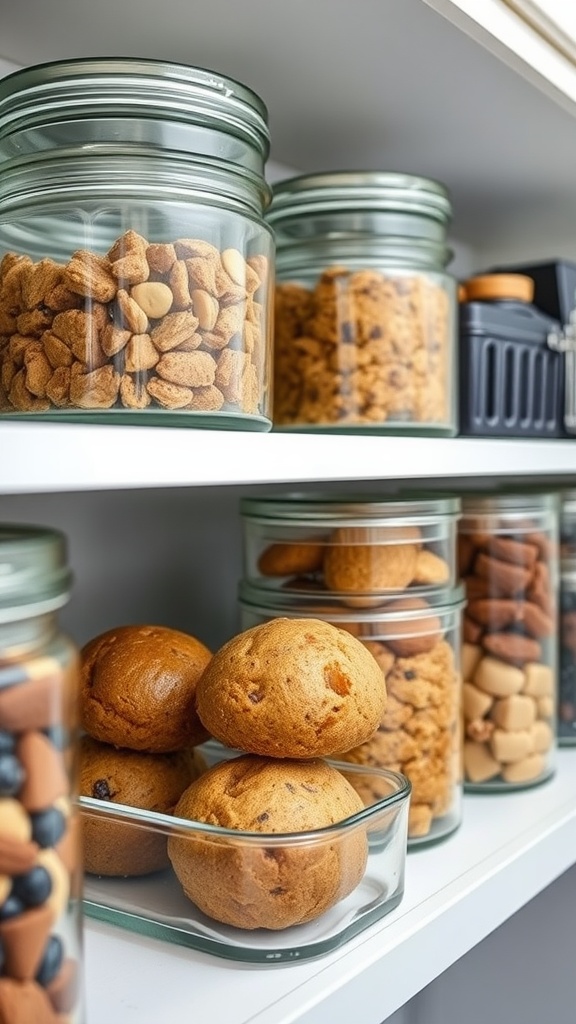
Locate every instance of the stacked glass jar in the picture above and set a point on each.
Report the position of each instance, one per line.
(508, 560)
(384, 570)
(567, 622)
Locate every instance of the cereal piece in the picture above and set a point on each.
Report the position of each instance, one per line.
(479, 765)
(58, 387)
(540, 680)
(132, 316)
(230, 321)
(173, 330)
(57, 351)
(526, 770)
(476, 703)
(514, 712)
(97, 389)
(21, 398)
(170, 396)
(130, 243)
(140, 354)
(153, 297)
(38, 371)
(507, 746)
(498, 678)
(90, 275)
(180, 286)
(431, 570)
(201, 275)
(186, 247)
(470, 656)
(230, 370)
(79, 330)
(160, 256)
(133, 393)
(285, 559)
(188, 369)
(33, 323)
(38, 280)
(113, 339)
(512, 647)
(206, 399)
(419, 820)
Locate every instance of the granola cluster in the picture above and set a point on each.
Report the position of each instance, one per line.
(175, 326)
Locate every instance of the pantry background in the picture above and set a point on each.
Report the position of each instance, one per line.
(468, 92)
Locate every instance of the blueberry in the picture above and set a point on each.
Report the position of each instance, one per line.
(11, 907)
(48, 826)
(7, 742)
(11, 775)
(34, 887)
(51, 961)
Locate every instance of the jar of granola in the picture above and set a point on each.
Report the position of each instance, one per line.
(135, 262)
(508, 558)
(40, 855)
(416, 639)
(365, 311)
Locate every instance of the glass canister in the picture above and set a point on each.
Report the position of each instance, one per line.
(416, 640)
(358, 544)
(40, 855)
(365, 310)
(567, 680)
(136, 268)
(508, 558)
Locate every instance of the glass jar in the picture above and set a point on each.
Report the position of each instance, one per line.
(567, 525)
(135, 263)
(416, 640)
(508, 558)
(365, 311)
(40, 856)
(567, 681)
(358, 544)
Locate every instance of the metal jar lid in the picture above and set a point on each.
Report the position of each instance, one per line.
(377, 191)
(121, 99)
(34, 574)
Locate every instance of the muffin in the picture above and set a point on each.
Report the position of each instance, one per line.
(138, 688)
(266, 885)
(292, 688)
(154, 782)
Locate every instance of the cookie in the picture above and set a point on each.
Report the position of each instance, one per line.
(362, 568)
(154, 782)
(296, 688)
(283, 559)
(138, 688)
(269, 885)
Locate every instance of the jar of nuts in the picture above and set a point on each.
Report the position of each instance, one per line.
(40, 854)
(135, 262)
(508, 557)
(416, 640)
(364, 332)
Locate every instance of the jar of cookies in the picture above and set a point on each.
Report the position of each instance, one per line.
(416, 641)
(508, 557)
(359, 544)
(135, 262)
(365, 310)
(40, 857)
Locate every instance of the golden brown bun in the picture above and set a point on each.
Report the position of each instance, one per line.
(292, 688)
(138, 688)
(268, 886)
(151, 781)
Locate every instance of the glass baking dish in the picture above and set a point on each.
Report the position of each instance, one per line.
(155, 904)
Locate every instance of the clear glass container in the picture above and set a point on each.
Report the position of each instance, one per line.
(567, 525)
(136, 268)
(416, 640)
(156, 904)
(567, 680)
(40, 854)
(356, 544)
(508, 558)
(365, 310)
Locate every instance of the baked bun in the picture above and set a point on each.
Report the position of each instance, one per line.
(138, 688)
(151, 781)
(292, 688)
(267, 885)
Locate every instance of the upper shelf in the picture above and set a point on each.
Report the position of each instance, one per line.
(463, 90)
(509, 849)
(44, 457)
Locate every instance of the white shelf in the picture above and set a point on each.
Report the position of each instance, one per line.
(509, 848)
(45, 457)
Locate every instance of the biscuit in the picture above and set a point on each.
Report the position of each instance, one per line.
(296, 688)
(154, 782)
(284, 559)
(361, 568)
(138, 688)
(266, 885)
(431, 570)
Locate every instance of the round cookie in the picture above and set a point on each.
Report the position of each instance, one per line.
(296, 688)
(267, 885)
(285, 559)
(138, 688)
(369, 567)
(154, 782)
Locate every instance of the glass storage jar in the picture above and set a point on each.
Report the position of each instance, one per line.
(567, 525)
(365, 311)
(508, 558)
(135, 263)
(416, 640)
(40, 856)
(567, 681)
(359, 544)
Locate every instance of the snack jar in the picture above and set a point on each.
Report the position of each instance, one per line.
(508, 557)
(40, 854)
(365, 310)
(136, 268)
(362, 545)
(416, 640)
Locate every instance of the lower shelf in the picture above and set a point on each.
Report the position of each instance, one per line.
(508, 849)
